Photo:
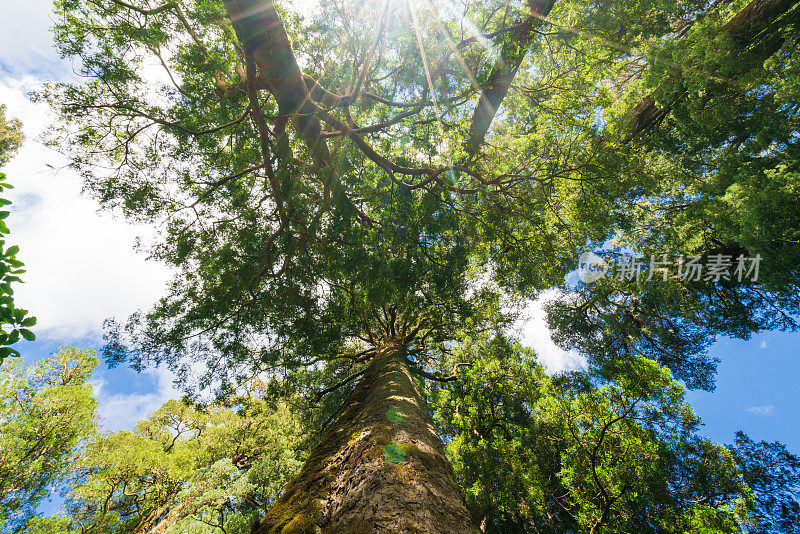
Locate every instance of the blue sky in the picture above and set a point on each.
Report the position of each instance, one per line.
(82, 269)
(757, 390)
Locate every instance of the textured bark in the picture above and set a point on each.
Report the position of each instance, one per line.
(263, 37)
(504, 70)
(150, 521)
(379, 468)
(751, 30)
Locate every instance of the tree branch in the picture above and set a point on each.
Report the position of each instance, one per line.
(453, 373)
(263, 36)
(505, 69)
(747, 28)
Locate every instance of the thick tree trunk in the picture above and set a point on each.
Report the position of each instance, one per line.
(752, 29)
(381, 466)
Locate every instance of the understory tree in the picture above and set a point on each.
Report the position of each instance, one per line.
(348, 197)
(535, 453)
(186, 468)
(47, 409)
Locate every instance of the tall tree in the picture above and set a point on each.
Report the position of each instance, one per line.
(715, 133)
(771, 472)
(332, 191)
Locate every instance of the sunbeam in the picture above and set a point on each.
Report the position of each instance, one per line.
(428, 75)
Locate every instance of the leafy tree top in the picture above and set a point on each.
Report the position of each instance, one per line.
(46, 410)
(11, 136)
(323, 183)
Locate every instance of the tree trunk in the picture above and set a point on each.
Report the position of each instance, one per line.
(381, 466)
(505, 70)
(753, 23)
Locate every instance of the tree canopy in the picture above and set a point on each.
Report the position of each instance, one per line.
(535, 453)
(363, 193)
(297, 203)
(198, 469)
(11, 136)
(46, 411)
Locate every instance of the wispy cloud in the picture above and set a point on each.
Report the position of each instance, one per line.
(81, 266)
(533, 332)
(121, 411)
(26, 44)
(762, 410)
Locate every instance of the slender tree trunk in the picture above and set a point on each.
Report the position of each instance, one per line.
(381, 466)
(505, 70)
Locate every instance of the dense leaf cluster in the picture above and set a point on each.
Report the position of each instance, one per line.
(541, 454)
(13, 320)
(46, 410)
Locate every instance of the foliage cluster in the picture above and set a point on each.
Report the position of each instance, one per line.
(535, 453)
(13, 320)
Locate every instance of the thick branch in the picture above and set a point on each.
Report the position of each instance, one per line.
(262, 34)
(339, 384)
(512, 53)
(430, 376)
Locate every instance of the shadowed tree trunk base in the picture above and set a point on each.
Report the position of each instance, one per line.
(379, 468)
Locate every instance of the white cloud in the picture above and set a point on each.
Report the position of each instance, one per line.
(123, 411)
(762, 410)
(81, 267)
(25, 39)
(97, 386)
(533, 332)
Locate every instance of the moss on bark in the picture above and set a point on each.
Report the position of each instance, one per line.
(381, 466)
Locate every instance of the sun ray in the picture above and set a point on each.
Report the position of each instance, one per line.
(385, 10)
(459, 58)
(427, 74)
(451, 11)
